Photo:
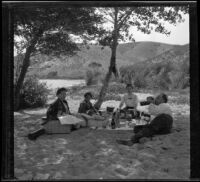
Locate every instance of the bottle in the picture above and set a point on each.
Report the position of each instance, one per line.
(147, 117)
(113, 123)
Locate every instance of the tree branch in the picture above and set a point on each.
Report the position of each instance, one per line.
(109, 20)
(124, 19)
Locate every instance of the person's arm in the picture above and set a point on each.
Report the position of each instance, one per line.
(82, 108)
(122, 102)
(154, 109)
(59, 108)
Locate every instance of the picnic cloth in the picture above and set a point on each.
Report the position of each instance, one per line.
(70, 119)
(125, 125)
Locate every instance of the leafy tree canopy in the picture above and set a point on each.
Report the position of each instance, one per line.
(145, 19)
(53, 27)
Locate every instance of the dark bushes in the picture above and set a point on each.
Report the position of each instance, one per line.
(34, 94)
(159, 75)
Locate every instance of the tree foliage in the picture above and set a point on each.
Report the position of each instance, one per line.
(162, 75)
(48, 31)
(53, 27)
(145, 19)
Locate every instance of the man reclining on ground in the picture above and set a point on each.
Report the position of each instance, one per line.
(161, 124)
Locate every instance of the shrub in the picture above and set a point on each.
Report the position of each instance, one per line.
(112, 97)
(116, 88)
(92, 77)
(52, 74)
(34, 94)
(140, 82)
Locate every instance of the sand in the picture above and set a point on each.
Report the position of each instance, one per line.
(94, 154)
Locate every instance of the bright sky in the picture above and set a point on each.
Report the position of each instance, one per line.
(179, 34)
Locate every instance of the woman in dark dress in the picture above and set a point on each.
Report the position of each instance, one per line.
(52, 125)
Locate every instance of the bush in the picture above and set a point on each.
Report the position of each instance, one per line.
(140, 82)
(92, 77)
(116, 88)
(112, 97)
(159, 75)
(52, 74)
(34, 94)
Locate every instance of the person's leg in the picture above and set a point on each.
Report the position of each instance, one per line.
(162, 124)
(138, 128)
(35, 134)
(144, 132)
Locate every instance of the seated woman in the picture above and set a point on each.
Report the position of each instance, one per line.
(88, 111)
(130, 100)
(52, 125)
(161, 122)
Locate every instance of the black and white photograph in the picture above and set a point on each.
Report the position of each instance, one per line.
(101, 90)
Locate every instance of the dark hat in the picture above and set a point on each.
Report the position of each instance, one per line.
(61, 90)
(88, 94)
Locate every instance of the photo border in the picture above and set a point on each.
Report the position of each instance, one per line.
(7, 161)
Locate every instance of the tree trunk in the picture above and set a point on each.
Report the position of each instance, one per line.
(25, 65)
(112, 67)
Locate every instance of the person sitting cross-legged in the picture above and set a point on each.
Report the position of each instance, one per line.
(89, 112)
(131, 101)
(160, 124)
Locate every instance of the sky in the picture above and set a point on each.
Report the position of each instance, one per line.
(179, 34)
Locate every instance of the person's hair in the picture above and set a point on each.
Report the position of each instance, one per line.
(129, 85)
(165, 97)
(88, 94)
(61, 90)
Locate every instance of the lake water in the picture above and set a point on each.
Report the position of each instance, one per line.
(54, 84)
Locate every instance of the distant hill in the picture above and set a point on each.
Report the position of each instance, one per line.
(127, 54)
(168, 70)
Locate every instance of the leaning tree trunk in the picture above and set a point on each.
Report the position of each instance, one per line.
(112, 67)
(25, 65)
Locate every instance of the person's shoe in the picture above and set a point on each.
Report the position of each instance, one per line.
(31, 136)
(125, 142)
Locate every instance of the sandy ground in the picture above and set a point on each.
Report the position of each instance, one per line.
(94, 154)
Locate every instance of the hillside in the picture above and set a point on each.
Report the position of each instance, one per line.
(168, 70)
(127, 54)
